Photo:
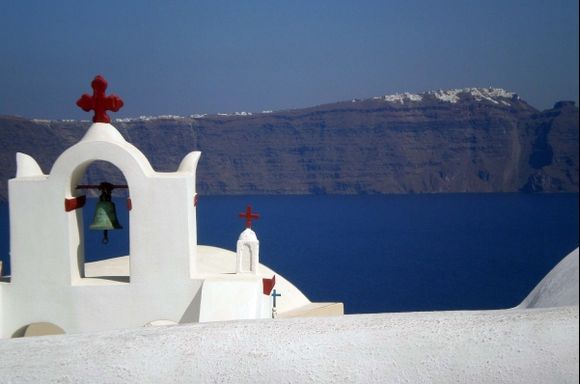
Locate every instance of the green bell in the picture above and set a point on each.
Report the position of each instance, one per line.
(105, 217)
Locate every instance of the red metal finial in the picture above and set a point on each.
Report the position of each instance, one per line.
(99, 102)
(249, 216)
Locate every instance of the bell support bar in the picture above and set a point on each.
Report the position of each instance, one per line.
(102, 186)
(74, 203)
(80, 201)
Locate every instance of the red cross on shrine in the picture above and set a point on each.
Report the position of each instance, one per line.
(249, 216)
(99, 102)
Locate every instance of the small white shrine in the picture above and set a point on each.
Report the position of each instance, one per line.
(167, 278)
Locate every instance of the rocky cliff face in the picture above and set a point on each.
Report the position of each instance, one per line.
(470, 140)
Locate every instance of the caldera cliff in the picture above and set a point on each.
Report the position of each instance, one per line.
(468, 140)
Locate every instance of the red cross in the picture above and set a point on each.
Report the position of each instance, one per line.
(249, 216)
(99, 102)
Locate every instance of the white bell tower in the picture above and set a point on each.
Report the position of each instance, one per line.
(248, 247)
(248, 252)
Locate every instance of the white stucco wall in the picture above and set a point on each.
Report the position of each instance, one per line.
(525, 346)
(558, 288)
(47, 246)
(506, 346)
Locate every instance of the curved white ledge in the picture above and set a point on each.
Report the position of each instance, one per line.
(26, 166)
(102, 132)
(189, 162)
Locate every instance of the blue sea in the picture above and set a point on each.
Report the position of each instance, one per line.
(389, 253)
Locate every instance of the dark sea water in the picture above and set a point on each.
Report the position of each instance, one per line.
(390, 253)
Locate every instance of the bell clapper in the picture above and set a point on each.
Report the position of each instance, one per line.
(105, 237)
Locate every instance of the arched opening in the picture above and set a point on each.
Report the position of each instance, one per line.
(38, 329)
(105, 253)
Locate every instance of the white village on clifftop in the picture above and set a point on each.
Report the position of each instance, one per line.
(177, 311)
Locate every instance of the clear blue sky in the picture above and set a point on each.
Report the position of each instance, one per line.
(185, 57)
